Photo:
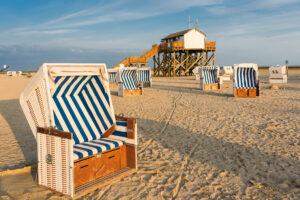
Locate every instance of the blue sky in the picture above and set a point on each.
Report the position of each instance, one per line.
(32, 32)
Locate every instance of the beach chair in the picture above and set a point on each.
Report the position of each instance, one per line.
(196, 72)
(245, 80)
(81, 144)
(225, 74)
(209, 78)
(128, 84)
(11, 73)
(144, 77)
(278, 74)
(112, 73)
(19, 73)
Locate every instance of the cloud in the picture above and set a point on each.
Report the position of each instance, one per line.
(121, 10)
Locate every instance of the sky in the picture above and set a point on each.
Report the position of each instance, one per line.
(266, 32)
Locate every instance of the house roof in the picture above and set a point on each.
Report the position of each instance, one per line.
(180, 33)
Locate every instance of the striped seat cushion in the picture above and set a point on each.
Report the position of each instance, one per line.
(112, 77)
(144, 75)
(82, 106)
(96, 146)
(129, 79)
(245, 78)
(210, 75)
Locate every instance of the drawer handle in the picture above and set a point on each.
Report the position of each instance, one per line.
(84, 166)
(111, 157)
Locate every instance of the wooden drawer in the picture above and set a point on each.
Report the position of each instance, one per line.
(252, 92)
(107, 162)
(84, 171)
(245, 92)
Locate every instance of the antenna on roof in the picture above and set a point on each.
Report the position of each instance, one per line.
(189, 22)
(196, 23)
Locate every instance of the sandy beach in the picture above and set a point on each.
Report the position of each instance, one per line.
(191, 144)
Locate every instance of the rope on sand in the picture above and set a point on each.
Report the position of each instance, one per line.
(165, 126)
(183, 167)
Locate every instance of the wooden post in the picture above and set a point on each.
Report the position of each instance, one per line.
(154, 65)
(174, 57)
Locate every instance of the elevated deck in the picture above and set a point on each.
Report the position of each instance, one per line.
(163, 47)
(179, 46)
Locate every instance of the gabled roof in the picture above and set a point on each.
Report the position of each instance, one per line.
(180, 33)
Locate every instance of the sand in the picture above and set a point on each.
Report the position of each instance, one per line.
(192, 144)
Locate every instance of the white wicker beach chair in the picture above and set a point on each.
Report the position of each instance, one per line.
(278, 74)
(144, 77)
(81, 144)
(112, 73)
(196, 72)
(209, 78)
(128, 84)
(245, 80)
(11, 73)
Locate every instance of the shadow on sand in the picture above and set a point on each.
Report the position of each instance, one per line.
(191, 90)
(14, 116)
(251, 164)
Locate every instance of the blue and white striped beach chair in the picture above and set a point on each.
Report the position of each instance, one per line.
(81, 144)
(112, 74)
(128, 84)
(209, 78)
(245, 80)
(144, 77)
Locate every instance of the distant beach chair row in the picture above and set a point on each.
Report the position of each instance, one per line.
(130, 81)
(14, 73)
(245, 77)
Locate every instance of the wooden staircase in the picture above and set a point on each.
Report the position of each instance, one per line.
(139, 60)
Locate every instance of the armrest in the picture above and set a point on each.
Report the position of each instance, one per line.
(55, 132)
(126, 128)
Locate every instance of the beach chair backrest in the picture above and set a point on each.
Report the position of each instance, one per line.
(196, 70)
(227, 70)
(277, 71)
(112, 73)
(245, 76)
(128, 76)
(144, 74)
(209, 74)
(73, 97)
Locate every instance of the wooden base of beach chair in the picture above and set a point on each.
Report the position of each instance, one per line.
(209, 87)
(104, 168)
(113, 85)
(278, 80)
(146, 84)
(246, 92)
(136, 92)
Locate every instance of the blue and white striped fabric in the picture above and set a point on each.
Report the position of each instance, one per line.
(112, 77)
(210, 75)
(245, 78)
(81, 106)
(96, 146)
(121, 129)
(129, 79)
(144, 75)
